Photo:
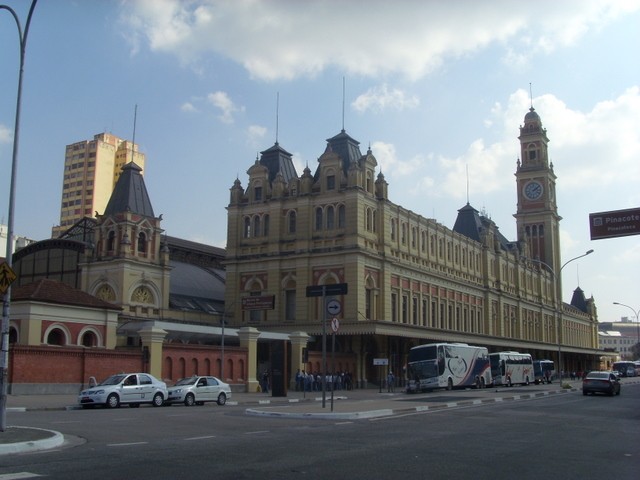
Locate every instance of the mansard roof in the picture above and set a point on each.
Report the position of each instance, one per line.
(130, 193)
(277, 159)
(472, 225)
(347, 148)
(578, 300)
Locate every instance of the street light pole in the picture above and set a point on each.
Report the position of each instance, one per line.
(558, 298)
(4, 356)
(636, 313)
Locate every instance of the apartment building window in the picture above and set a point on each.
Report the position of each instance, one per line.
(414, 311)
(290, 305)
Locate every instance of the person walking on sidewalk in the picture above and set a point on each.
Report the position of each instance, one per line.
(390, 382)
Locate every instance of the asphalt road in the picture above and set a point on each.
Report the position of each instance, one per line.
(554, 437)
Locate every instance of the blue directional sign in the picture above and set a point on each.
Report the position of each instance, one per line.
(334, 307)
(327, 290)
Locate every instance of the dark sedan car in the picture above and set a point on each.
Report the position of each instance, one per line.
(601, 382)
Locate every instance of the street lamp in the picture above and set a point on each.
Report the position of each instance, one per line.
(636, 313)
(558, 295)
(4, 356)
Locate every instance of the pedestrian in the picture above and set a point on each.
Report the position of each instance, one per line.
(265, 381)
(390, 382)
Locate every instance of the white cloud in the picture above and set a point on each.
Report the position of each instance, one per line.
(222, 101)
(255, 134)
(188, 107)
(6, 135)
(381, 98)
(287, 39)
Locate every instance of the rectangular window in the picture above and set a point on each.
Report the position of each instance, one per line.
(331, 182)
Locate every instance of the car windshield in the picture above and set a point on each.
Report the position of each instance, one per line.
(599, 375)
(187, 381)
(113, 380)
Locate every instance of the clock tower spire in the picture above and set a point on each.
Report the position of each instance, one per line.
(537, 213)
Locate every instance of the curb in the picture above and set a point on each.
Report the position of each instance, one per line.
(54, 440)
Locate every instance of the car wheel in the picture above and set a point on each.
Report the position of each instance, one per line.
(158, 400)
(113, 401)
(189, 400)
(222, 399)
(449, 384)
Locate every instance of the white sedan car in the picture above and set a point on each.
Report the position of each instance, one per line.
(130, 388)
(199, 389)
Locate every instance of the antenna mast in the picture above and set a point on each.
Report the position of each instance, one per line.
(133, 141)
(277, 114)
(343, 104)
(531, 95)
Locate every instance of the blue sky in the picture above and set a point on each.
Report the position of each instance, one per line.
(436, 88)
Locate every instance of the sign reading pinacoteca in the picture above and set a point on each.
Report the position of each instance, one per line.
(259, 302)
(617, 223)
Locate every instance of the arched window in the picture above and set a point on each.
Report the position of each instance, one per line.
(330, 218)
(341, 216)
(111, 241)
(247, 227)
(318, 218)
(292, 221)
(266, 225)
(256, 226)
(142, 242)
(56, 337)
(89, 339)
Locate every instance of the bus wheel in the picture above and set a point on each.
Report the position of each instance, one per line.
(478, 384)
(449, 384)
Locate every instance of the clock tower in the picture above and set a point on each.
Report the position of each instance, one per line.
(537, 214)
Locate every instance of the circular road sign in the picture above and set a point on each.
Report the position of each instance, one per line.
(334, 307)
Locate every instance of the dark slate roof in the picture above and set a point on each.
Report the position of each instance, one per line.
(52, 291)
(347, 148)
(277, 159)
(130, 193)
(578, 300)
(471, 224)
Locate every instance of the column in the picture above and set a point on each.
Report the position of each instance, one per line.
(153, 338)
(249, 339)
(298, 342)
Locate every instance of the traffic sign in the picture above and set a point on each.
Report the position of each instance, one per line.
(334, 307)
(7, 276)
(323, 290)
(335, 325)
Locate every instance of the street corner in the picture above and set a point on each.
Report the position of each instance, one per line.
(27, 439)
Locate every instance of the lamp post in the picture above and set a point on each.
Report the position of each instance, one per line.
(636, 313)
(4, 356)
(558, 296)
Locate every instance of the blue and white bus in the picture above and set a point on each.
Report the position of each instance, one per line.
(544, 370)
(447, 365)
(510, 368)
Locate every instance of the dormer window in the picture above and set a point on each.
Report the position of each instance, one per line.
(331, 182)
(257, 194)
(142, 243)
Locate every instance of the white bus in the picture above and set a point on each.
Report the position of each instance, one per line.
(544, 370)
(447, 365)
(510, 368)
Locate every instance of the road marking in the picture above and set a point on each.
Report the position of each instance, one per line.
(343, 423)
(199, 438)
(256, 432)
(18, 475)
(126, 444)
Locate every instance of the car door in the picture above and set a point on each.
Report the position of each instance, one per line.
(146, 388)
(214, 388)
(130, 391)
(203, 389)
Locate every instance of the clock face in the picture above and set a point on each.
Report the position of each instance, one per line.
(533, 190)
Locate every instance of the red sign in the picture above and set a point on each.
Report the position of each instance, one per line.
(617, 223)
(264, 302)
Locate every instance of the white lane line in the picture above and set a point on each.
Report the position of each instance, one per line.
(126, 444)
(18, 475)
(199, 438)
(256, 432)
